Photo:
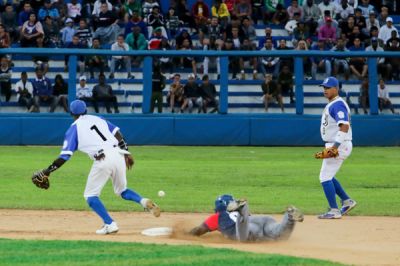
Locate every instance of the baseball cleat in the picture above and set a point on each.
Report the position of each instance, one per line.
(347, 206)
(294, 214)
(111, 228)
(331, 214)
(152, 207)
(236, 205)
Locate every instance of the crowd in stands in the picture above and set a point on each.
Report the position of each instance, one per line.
(121, 25)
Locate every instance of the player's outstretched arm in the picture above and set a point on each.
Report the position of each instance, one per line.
(41, 178)
(199, 230)
(129, 161)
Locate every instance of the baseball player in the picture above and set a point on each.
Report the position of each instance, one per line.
(105, 145)
(232, 219)
(337, 134)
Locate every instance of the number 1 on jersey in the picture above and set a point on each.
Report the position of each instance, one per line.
(98, 132)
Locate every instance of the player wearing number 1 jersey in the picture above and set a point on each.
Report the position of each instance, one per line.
(337, 134)
(105, 145)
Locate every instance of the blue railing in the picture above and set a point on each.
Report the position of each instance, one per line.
(224, 57)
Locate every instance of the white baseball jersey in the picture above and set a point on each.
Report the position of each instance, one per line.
(89, 134)
(335, 113)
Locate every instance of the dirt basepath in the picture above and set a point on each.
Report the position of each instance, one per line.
(351, 240)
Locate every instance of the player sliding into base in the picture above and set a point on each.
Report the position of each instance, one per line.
(337, 134)
(105, 145)
(233, 220)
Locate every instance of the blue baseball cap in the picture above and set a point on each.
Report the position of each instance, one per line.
(330, 82)
(77, 107)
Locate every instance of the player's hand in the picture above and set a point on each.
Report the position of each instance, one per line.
(129, 161)
(331, 152)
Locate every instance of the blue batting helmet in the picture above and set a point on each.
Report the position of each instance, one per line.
(222, 202)
(77, 107)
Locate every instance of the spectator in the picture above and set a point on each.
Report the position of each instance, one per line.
(208, 94)
(147, 7)
(320, 63)
(97, 7)
(372, 21)
(23, 16)
(301, 31)
(384, 68)
(249, 31)
(5, 40)
(257, 10)
(271, 7)
(74, 11)
(136, 20)
(341, 62)
(327, 33)
(365, 8)
(364, 95)
(243, 9)
(95, 61)
(383, 15)
(271, 91)
(136, 41)
(235, 24)
(76, 44)
(268, 35)
(311, 14)
(247, 46)
(156, 39)
(285, 61)
(220, 11)
(120, 60)
(83, 92)
(30, 31)
(302, 46)
(270, 64)
(191, 94)
(230, 5)
(42, 92)
(155, 20)
(187, 61)
(51, 33)
(394, 37)
(24, 91)
(175, 94)
(48, 10)
(343, 11)
(322, 21)
(280, 16)
(68, 32)
(210, 45)
(200, 12)
(213, 30)
(347, 27)
(130, 7)
(292, 23)
(358, 65)
(165, 61)
(107, 29)
(103, 92)
(236, 38)
(394, 61)
(359, 19)
(327, 5)
(184, 14)
(293, 9)
(5, 78)
(383, 97)
(285, 82)
(9, 20)
(173, 23)
(355, 34)
(41, 61)
(60, 92)
(385, 33)
(158, 85)
(233, 60)
(84, 33)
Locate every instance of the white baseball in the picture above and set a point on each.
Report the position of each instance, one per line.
(161, 193)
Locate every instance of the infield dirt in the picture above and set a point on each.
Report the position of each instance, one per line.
(351, 240)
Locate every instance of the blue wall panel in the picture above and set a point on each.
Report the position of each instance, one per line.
(212, 130)
(10, 131)
(44, 130)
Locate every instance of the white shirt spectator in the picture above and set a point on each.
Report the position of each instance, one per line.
(116, 47)
(385, 32)
(344, 13)
(82, 92)
(21, 86)
(290, 26)
(377, 49)
(383, 93)
(369, 24)
(74, 10)
(97, 5)
(330, 7)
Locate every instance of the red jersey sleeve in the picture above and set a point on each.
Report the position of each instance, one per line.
(212, 222)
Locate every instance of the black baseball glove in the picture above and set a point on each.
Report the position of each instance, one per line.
(41, 179)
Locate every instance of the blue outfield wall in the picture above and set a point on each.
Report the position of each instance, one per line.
(231, 129)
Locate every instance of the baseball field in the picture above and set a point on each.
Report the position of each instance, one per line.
(56, 227)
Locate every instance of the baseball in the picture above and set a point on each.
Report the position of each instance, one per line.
(161, 193)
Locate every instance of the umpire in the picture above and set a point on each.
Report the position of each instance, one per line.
(158, 85)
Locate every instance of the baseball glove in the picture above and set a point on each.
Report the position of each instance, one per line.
(331, 152)
(41, 180)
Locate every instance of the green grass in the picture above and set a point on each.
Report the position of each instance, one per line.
(269, 177)
(24, 252)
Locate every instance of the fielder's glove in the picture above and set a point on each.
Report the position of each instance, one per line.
(41, 180)
(331, 152)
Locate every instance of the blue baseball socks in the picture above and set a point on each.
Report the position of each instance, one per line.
(98, 207)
